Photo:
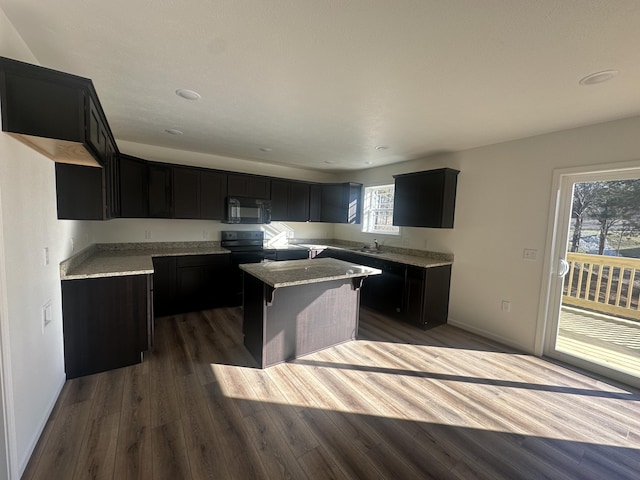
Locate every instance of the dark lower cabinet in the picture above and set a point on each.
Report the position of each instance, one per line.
(107, 322)
(427, 296)
(201, 281)
(416, 295)
(164, 286)
(191, 282)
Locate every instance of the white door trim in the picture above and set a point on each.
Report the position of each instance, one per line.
(9, 463)
(557, 237)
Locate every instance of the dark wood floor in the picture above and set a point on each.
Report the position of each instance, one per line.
(398, 403)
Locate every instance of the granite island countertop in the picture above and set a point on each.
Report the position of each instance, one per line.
(301, 272)
(122, 259)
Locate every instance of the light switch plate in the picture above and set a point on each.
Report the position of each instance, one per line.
(530, 254)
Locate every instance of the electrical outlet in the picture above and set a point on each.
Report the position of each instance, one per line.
(506, 306)
(205, 234)
(147, 234)
(46, 256)
(530, 254)
(73, 244)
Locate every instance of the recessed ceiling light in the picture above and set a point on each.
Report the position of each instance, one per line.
(368, 163)
(382, 147)
(330, 161)
(188, 94)
(173, 131)
(265, 149)
(598, 77)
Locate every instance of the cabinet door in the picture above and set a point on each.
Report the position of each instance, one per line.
(159, 190)
(315, 200)
(112, 177)
(213, 192)
(164, 286)
(201, 281)
(249, 186)
(104, 323)
(133, 187)
(186, 192)
(95, 131)
(279, 200)
(427, 296)
(340, 203)
(79, 192)
(425, 199)
(36, 102)
(298, 204)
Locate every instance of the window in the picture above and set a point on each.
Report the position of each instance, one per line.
(378, 210)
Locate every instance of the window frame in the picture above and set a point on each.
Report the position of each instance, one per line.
(369, 212)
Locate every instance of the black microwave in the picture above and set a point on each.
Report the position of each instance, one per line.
(248, 210)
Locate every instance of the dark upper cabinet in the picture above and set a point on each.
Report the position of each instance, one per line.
(60, 116)
(198, 193)
(425, 199)
(55, 113)
(186, 192)
(134, 197)
(240, 185)
(112, 182)
(315, 199)
(213, 191)
(88, 193)
(80, 192)
(340, 202)
(160, 190)
(289, 201)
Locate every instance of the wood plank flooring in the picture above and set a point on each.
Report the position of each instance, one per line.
(398, 403)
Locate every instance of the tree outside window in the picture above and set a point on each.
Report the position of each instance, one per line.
(378, 210)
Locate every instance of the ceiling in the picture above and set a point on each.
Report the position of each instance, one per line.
(306, 82)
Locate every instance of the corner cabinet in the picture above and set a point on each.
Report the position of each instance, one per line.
(59, 115)
(53, 112)
(425, 199)
(107, 322)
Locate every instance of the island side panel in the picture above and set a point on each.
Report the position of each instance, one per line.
(306, 318)
(254, 311)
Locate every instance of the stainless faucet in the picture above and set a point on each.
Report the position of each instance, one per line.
(375, 242)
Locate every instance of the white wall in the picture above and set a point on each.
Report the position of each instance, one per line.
(502, 207)
(33, 358)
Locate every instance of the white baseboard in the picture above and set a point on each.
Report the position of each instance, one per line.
(34, 440)
(509, 342)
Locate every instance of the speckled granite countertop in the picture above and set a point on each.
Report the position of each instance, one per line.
(120, 259)
(418, 258)
(301, 272)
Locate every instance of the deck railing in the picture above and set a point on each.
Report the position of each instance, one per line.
(604, 284)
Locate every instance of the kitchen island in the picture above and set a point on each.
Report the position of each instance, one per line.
(297, 307)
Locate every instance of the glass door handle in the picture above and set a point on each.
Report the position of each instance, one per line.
(563, 268)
